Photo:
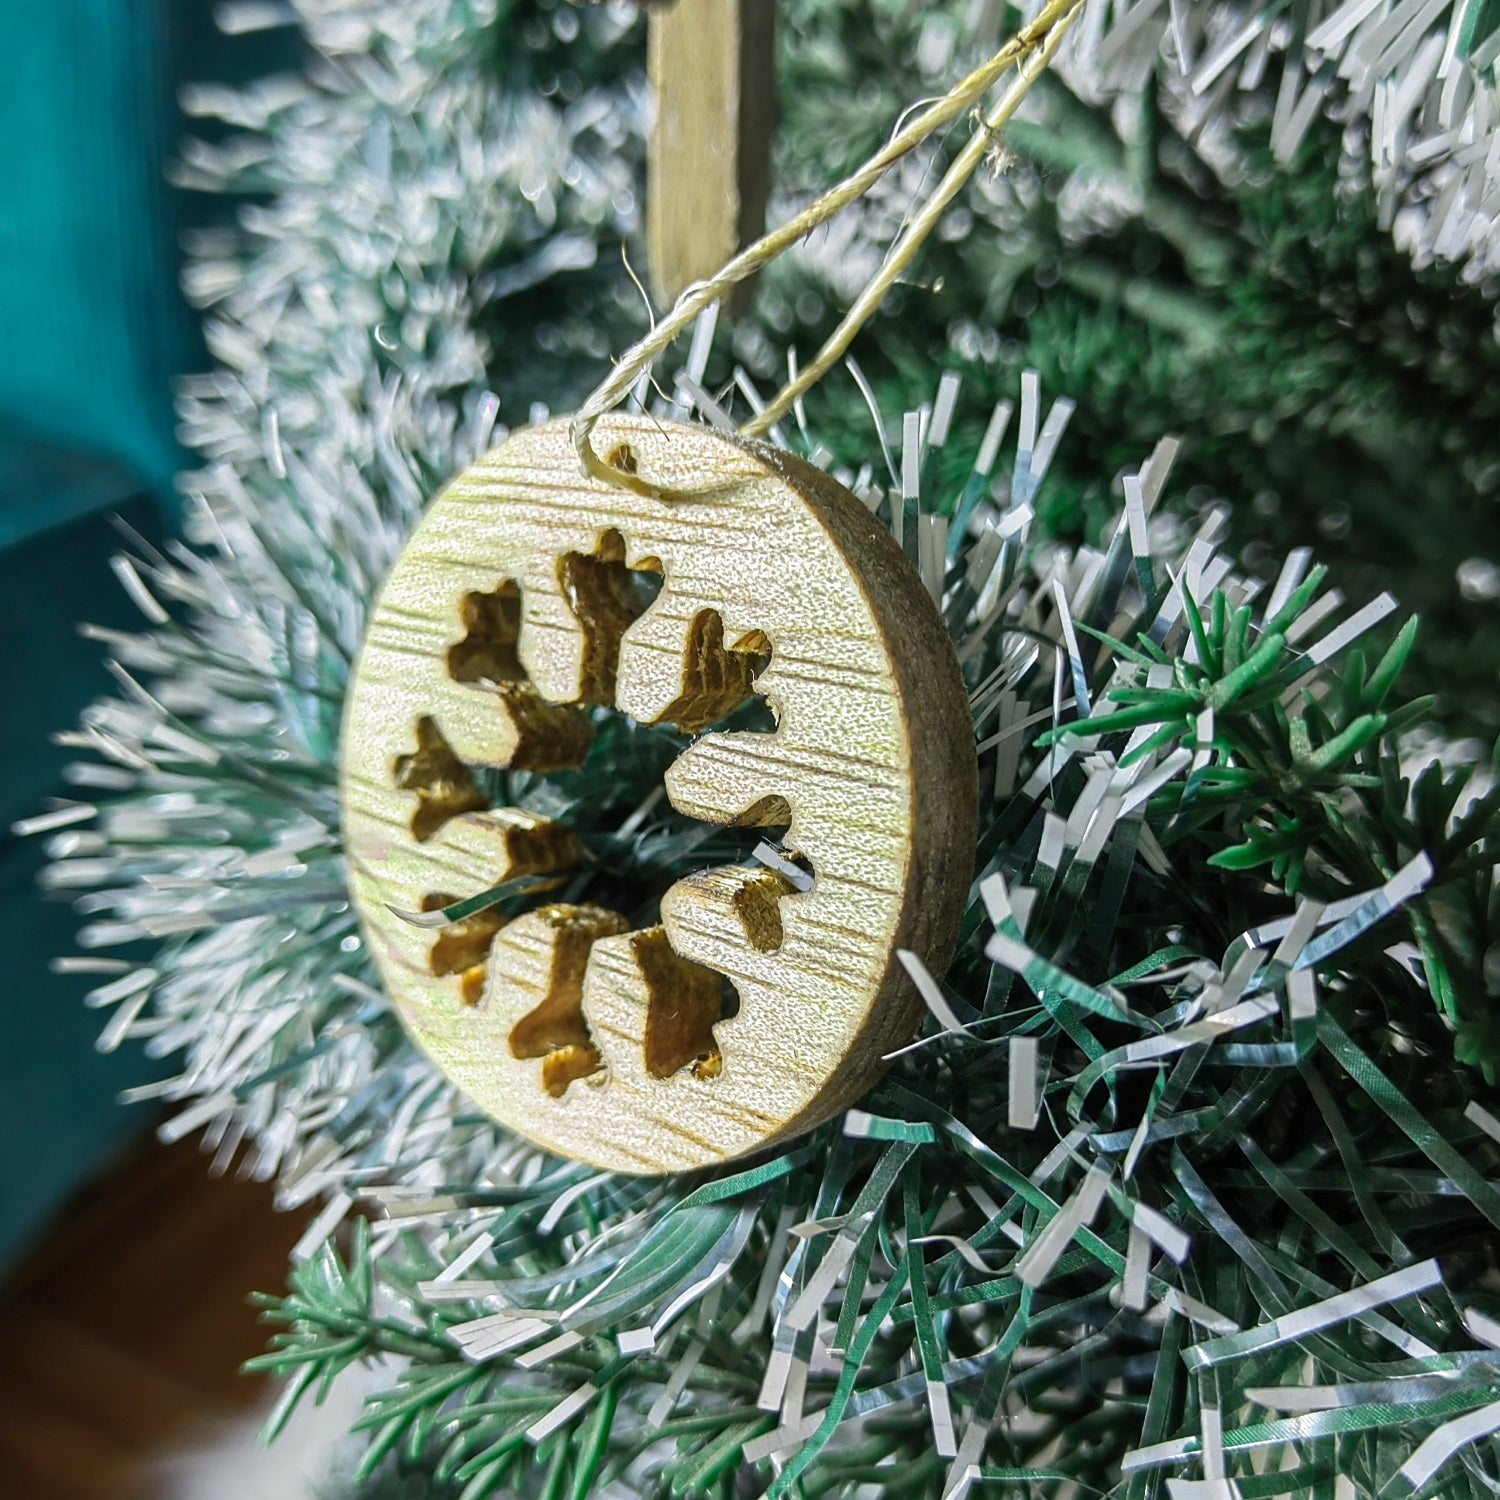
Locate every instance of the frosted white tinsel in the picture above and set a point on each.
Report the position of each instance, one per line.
(350, 384)
(1413, 79)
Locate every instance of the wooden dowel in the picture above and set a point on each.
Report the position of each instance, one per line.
(712, 67)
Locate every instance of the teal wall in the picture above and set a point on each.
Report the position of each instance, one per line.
(93, 326)
(59, 1119)
(92, 330)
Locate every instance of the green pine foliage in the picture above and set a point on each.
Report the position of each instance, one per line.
(1262, 313)
(920, 1241)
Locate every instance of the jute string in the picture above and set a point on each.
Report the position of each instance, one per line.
(1029, 52)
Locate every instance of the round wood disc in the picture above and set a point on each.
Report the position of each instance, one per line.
(766, 998)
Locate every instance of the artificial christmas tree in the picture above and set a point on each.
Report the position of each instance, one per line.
(1186, 1179)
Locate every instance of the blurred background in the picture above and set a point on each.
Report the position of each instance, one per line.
(1170, 274)
(125, 1270)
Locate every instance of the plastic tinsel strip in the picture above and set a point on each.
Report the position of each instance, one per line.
(1297, 1325)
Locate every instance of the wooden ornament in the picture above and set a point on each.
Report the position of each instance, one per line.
(511, 611)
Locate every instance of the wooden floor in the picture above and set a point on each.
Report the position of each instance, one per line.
(122, 1332)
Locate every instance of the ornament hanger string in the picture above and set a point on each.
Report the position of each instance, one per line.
(1030, 50)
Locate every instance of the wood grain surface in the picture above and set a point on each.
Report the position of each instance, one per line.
(510, 610)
